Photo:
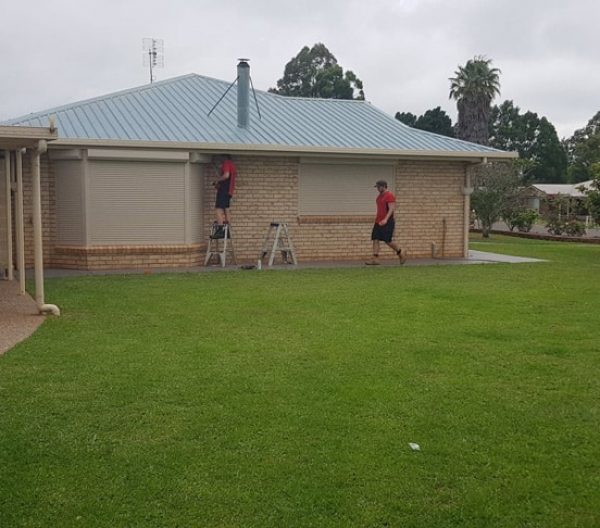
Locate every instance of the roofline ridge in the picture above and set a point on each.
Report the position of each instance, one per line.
(427, 133)
(316, 98)
(83, 102)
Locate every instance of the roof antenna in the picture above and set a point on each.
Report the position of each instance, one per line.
(244, 76)
(153, 54)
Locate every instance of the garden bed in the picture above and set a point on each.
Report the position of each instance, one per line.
(539, 236)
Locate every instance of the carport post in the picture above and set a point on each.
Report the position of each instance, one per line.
(38, 254)
(19, 224)
(9, 246)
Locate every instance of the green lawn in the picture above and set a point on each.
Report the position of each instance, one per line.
(288, 399)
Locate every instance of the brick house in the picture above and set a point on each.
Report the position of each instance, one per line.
(127, 182)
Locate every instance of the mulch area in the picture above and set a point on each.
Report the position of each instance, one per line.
(540, 236)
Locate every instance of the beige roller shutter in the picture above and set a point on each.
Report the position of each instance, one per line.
(135, 202)
(3, 227)
(70, 221)
(340, 189)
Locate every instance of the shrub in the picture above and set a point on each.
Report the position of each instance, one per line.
(555, 226)
(574, 228)
(524, 220)
(568, 227)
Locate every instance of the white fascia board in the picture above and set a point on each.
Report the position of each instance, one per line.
(232, 148)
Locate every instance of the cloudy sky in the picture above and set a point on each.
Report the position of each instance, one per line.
(58, 52)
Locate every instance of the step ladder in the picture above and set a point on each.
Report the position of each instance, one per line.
(219, 245)
(278, 240)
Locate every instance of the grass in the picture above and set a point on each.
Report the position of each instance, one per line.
(262, 399)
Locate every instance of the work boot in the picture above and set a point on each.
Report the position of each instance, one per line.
(218, 232)
(401, 256)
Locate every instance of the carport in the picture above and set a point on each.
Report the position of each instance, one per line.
(15, 142)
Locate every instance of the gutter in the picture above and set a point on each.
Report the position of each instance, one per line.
(247, 149)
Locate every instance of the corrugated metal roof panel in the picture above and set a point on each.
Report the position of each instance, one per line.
(176, 110)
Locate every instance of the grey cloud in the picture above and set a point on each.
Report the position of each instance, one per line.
(403, 50)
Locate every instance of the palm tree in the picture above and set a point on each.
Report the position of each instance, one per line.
(474, 88)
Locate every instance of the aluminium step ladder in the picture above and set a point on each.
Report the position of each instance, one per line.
(219, 245)
(278, 241)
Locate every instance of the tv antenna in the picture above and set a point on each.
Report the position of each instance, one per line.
(153, 54)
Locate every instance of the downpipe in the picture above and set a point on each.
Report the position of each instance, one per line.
(37, 232)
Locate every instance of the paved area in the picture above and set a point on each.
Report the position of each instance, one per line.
(475, 257)
(19, 316)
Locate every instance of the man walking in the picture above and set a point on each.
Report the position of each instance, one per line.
(225, 186)
(383, 230)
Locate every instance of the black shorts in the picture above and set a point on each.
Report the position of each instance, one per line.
(384, 233)
(223, 200)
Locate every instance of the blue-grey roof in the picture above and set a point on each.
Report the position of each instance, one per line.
(176, 110)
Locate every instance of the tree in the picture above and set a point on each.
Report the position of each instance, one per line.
(543, 158)
(435, 120)
(592, 194)
(583, 150)
(407, 118)
(495, 190)
(474, 87)
(315, 72)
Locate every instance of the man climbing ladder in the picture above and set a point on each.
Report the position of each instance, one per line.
(225, 186)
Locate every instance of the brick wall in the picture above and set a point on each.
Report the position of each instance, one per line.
(48, 203)
(129, 257)
(429, 210)
(429, 194)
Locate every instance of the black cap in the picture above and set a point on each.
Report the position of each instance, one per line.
(380, 183)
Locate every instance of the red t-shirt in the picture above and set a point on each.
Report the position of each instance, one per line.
(384, 198)
(229, 183)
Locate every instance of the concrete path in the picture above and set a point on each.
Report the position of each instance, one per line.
(19, 316)
(475, 257)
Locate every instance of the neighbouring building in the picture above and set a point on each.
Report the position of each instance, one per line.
(539, 194)
(127, 182)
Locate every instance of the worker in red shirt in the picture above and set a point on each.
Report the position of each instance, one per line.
(225, 186)
(383, 230)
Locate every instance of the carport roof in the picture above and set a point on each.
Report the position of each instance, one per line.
(175, 112)
(18, 137)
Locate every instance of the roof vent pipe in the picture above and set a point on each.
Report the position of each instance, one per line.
(243, 93)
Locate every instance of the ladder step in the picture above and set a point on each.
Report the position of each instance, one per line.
(216, 248)
(279, 241)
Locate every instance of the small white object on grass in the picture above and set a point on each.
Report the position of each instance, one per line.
(414, 447)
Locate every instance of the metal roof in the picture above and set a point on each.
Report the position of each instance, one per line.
(176, 110)
(574, 190)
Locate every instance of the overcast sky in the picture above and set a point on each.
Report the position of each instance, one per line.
(57, 52)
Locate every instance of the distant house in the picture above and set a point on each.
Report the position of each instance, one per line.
(127, 182)
(538, 193)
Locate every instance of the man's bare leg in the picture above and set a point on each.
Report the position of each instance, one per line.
(220, 216)
(375, 260)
